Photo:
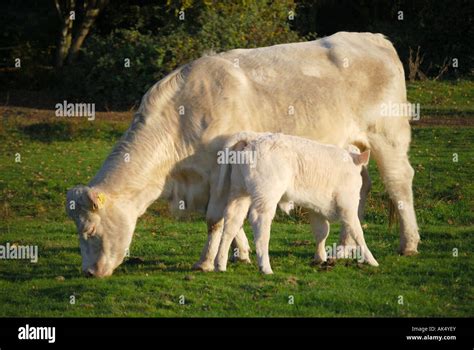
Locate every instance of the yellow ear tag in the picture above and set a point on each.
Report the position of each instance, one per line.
(101, 200)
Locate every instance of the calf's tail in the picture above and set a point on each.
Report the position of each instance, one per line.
(224, 178)
(235, 143)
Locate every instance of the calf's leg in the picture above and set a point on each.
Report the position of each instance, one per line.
(208, 254)
(345, 239)
(234, 216)
(352, 224)
(320, 227)
(261, 221)
(215, 225)
(240, 248)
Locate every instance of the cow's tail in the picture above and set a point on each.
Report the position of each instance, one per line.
(392, 214)
(236, 142)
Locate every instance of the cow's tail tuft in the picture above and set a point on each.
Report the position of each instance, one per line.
(392, 214)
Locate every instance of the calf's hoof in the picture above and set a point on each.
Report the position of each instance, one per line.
(220, 268)
(372, 262)
(317, 262)
(328, 263)
(266, 271)
(245, 260)
(243, 257)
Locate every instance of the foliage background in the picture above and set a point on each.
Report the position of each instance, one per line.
(151, 34)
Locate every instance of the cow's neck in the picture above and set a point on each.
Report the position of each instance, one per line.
(135, 173)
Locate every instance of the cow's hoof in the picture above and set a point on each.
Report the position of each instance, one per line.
(409, 247)
(199, 266)
(408, 252)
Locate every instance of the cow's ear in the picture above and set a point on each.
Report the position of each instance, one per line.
(97, 199)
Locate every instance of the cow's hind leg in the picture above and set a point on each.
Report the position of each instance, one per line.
(397, 175)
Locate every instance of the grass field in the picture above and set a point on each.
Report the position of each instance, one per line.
(443, 97)
(58, 155)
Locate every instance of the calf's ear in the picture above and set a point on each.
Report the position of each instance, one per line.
(239, 146)
(363, 158)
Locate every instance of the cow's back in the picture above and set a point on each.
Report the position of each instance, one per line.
(329, 89)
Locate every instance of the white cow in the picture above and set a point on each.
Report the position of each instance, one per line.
(325, 179)
(333, 90)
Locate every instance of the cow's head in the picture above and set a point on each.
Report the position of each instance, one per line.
(189, 192)
(105, 229)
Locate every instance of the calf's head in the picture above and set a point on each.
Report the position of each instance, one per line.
(105, 229)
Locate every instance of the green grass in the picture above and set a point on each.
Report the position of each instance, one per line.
(449, 97)
(434, 283)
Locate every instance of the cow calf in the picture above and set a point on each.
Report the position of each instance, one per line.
(287, 169)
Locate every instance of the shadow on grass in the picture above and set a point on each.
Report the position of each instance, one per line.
(45, 273)
(67, 131)
(49, 132)
(141, 265)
